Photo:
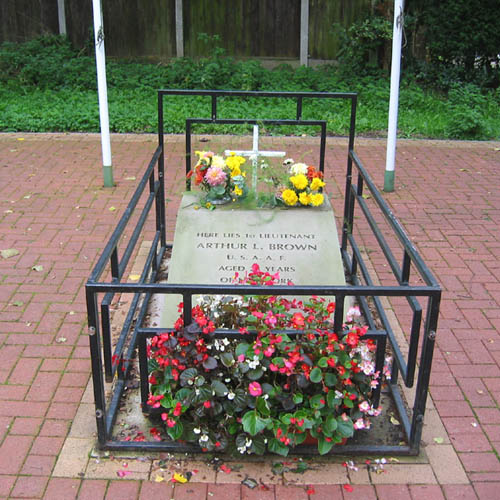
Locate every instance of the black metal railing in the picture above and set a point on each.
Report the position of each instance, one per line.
(113, 363)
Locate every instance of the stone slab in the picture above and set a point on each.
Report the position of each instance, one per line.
(211, 247)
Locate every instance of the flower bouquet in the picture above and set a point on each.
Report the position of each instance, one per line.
(280, 376)
(221, 178)
(303, 187)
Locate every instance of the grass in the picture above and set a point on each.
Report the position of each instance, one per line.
(48, 87)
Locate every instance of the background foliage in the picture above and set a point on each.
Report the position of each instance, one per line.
(48, 85)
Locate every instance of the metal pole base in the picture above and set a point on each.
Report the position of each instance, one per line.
(107, 172)
(389, 181)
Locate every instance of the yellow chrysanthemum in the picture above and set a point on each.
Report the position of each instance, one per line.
(316, 183)
(299, 181)
(289, 197)
(234, 161)
(238, 191)
(317, 199)
(304, 198)
(235, 171)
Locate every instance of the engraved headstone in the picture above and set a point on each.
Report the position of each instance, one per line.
(210, 247)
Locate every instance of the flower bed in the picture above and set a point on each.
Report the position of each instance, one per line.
(280, 376)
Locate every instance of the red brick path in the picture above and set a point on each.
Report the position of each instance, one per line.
(54, 211)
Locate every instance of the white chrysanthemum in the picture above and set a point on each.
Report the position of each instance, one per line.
(218, 161)
(298, 168)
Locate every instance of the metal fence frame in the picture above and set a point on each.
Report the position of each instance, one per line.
(114, 363)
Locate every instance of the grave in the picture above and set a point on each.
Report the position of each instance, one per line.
(214, 247)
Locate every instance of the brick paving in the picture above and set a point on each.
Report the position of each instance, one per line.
(56, 214)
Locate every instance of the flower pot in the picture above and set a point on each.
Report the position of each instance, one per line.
(310, 440)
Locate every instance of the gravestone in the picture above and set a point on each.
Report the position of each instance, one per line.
(211, 247)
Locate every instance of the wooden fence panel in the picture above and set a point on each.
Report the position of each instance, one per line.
(324, 41)
(22, 20)
(262, 28)
(146, 28)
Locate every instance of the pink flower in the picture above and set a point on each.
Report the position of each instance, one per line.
(241, 358)
(215, 176)
(364, 406)
(255, 389)
(271, 319)
(359, 424)
(269, 351)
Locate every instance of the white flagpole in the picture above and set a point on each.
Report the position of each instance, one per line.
(392, 128)
(100, 59)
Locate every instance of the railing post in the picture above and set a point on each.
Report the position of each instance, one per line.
(424, 373)
(161, 171)
(96, 363)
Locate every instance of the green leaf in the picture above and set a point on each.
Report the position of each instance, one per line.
(252, 423)
(234, 427)
(275, 446)
(255, 374)
(322, 362)
(268, 389)
(300, 438)
(219, 388)
(184, 395)
(317, 401)
(242, 349)
(175, 432)
(217, 408)
(316, 375)
(188, 375)
(324, 446)
(345, 427)
(258, 446)
(227, 359)
(330, 379)
(167, 401)
(298, 398)
(240, 400)
(280, 362)
(210, 363)
(329, 425)
(348, 403)
(263, 407)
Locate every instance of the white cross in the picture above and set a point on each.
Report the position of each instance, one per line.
(254, 155)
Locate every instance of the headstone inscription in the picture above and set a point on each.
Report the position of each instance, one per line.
(211, 247)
